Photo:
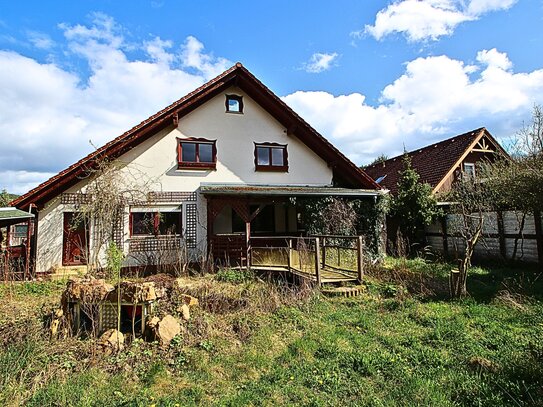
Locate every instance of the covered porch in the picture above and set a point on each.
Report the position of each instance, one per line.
(260, 227)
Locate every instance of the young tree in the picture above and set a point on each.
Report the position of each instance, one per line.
(472, 200)
(414, 206)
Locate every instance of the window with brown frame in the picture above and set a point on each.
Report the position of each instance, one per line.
(271, 157)
(234, 104)
(196, 153)
(155, 223)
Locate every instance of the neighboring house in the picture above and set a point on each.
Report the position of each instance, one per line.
(227, 158)
(506, 234)
(440, 164)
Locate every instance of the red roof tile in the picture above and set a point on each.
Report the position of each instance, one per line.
(431, 162)
(237, 75)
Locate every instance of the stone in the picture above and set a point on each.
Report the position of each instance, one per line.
(54, 327)
(111, 341)
(185, 312)
(189, 300)
(87, 290)
(167, 329)
(153, 322)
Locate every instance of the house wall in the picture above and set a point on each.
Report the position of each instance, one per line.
(473, 157)
(152, 166)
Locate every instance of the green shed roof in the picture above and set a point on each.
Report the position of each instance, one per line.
(12, 216)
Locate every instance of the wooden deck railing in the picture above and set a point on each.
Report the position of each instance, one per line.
(315, 256)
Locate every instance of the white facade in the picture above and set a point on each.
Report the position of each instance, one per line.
(154, 165)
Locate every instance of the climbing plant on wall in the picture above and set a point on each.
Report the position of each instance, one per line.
(336, 216)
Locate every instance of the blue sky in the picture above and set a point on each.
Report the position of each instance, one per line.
(372, 76)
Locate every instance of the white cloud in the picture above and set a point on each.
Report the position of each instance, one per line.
(22, 181)
(495, 59)
(435, 97)
(320, 62)
(478, 7)
(40, 40)
(49, 114)
(194, 57)
(429, 19)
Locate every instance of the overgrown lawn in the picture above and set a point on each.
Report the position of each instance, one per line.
(388, 347)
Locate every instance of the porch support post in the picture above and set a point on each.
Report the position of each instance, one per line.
(289, 256)
(27, 249)
(360, 258)
(324, 252)
(317, 261)
(209, 228)
(7, 253)
(248, 243)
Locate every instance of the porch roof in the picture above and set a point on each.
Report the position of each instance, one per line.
(12, 216)
(284, 190)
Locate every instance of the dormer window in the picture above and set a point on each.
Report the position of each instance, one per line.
(234, 104)
(196, 153)
(271, 157)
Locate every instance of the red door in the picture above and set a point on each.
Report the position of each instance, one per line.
(74, 242)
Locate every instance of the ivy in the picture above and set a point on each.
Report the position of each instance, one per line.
(337, 216)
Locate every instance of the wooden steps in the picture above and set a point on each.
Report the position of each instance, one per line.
(347, 291)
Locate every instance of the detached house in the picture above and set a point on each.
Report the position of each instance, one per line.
(507, 234)
(440, 164)
(220, 165)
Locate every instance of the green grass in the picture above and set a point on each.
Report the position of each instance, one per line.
(385, 348)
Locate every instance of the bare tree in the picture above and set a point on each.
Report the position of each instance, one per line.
(473, 199)
(103, 202)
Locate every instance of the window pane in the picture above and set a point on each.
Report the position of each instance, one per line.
(169, 223)
(206, 153)
(277, 156)
(469, 169)
(233, 105)
(20, 230)
(188, 151)
(142, 223)
(263, 156)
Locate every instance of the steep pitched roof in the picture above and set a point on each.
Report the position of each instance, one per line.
(344, 170)
(433, 163)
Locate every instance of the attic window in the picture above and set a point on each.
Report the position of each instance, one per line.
(469, 170)
(196, 153)
(271, 157)
(234, 104)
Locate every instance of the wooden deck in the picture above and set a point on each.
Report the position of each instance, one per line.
(328, 275)
(320, 259)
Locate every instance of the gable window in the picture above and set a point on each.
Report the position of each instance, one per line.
(469, 170)
(234, 104)
(196, 153)
(271, 157)
(155, 223)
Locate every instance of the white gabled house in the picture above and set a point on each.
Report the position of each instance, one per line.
(222, 161)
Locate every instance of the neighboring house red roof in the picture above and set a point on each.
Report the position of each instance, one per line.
(344, 170)
(433, 163)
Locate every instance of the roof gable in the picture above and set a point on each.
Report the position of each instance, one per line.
(433, 163)
(344, 170)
